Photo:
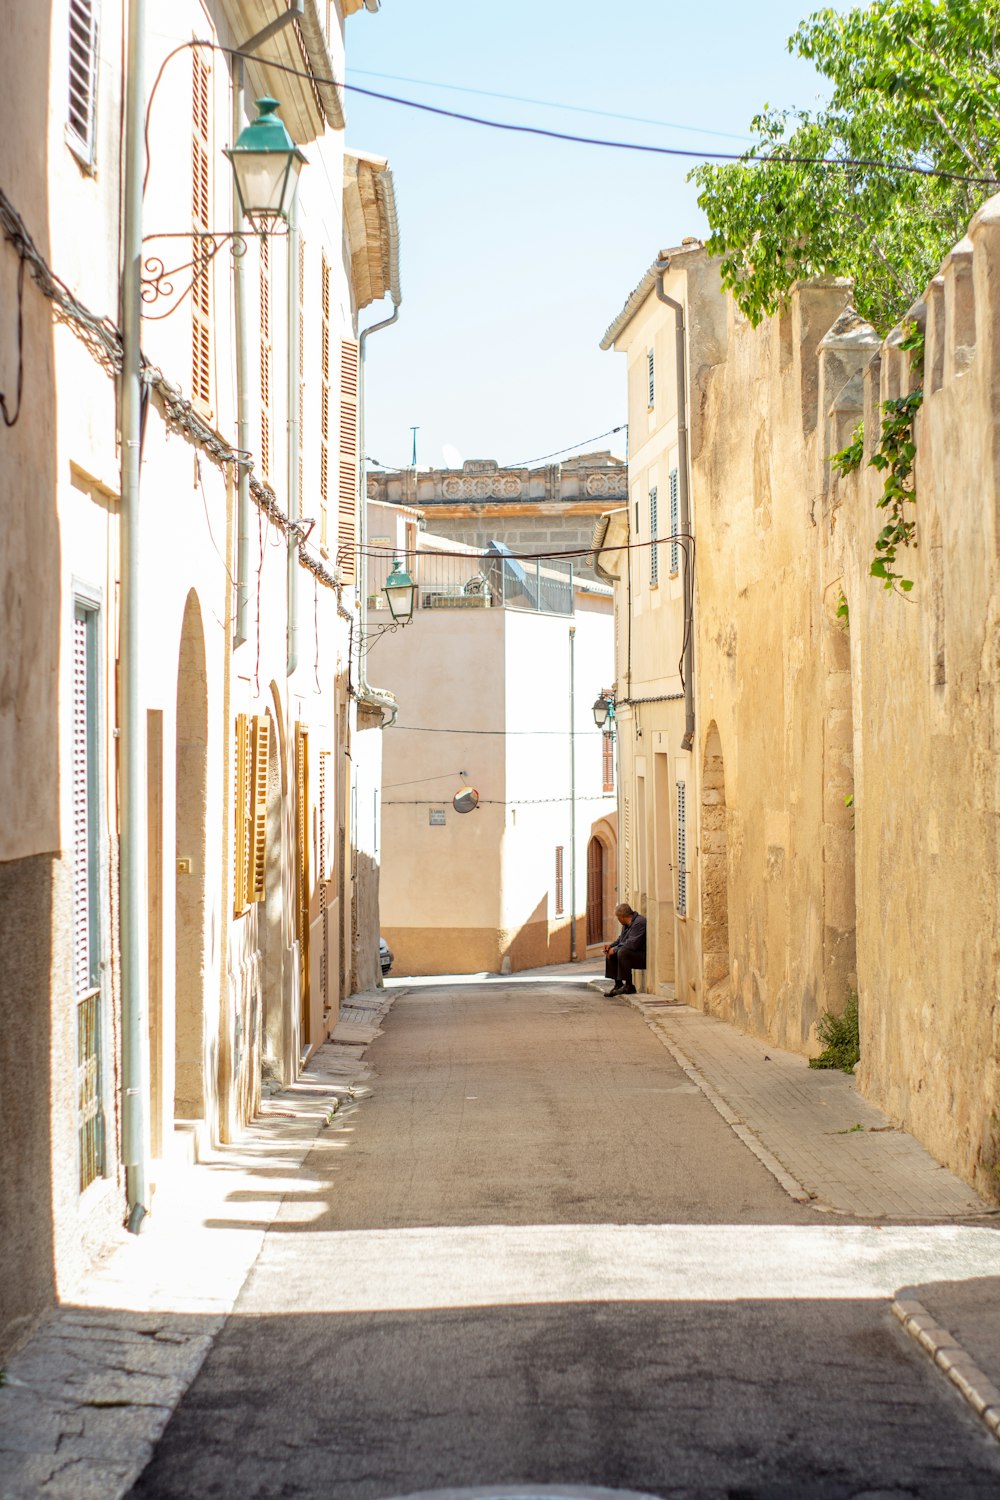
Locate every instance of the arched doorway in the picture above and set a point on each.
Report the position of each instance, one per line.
(714, 877)
(595, 892)
(189, 935)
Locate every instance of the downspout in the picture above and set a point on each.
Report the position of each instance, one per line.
(662, 267)
(572, 794)
(132, 831)
(242, 389)
(366, 693)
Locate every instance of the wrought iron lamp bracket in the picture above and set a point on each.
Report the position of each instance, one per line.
(157, 282)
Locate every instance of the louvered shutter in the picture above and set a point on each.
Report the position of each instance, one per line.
(626, 841)
(83, 965)
(241, 849)
(650, 378)
(682, 873)
(265, 360)
(258, 808)
(654, 530)
(323, 854)
(674, 522)
(347, 494)
(324, 406)
(302, 868)
(81, 114)
(201, 209)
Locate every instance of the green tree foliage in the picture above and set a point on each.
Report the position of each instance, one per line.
(916, 83)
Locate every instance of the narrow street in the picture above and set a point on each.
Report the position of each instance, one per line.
(536, 1254)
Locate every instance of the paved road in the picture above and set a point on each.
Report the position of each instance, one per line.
(538, 1255)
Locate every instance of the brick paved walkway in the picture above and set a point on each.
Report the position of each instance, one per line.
(811, 1127)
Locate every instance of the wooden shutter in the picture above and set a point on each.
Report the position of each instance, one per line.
(265, 360)
(258, 809)
(201, 223)
(608, 761)
(241, 845)
(654, 551)
(682, 874)
(347, 494)
(81, 114)
(83, 914)
(650, 378)
(674, 523)
(302, 868)
(300, 344)
(559, 880)
(323, 860)
(324, 407)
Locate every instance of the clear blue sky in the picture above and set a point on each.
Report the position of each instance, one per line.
(517, 252)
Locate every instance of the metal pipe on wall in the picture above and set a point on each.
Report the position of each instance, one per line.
(572, 794)
(662, 267)
(132, 829)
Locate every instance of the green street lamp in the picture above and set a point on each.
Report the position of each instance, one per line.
(266, 163)
(399, 592)
(604, 709)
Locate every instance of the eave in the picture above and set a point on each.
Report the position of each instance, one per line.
(372, 228)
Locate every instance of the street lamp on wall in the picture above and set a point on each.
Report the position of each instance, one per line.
(266, 164)
(399, 592)
(604, 711)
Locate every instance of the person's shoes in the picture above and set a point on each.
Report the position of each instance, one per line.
(616, 990)
(628, 989)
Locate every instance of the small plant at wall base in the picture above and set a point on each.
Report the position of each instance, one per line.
(841, 1039)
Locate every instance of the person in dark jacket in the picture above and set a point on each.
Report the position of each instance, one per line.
(628, 952)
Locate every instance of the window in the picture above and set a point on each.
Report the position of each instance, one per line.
(559, 881)
(324, 402)
(654, 551)
(253, 749)
(608, 759)
(201, 249)
(265, 360)
(300, 345)
(650, 379)
(86, 895)
(682, 874)
(347, 494)
(674, 523)
(81, 114)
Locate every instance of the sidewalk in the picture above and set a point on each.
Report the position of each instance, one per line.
(84, 1402)
(829, 1147)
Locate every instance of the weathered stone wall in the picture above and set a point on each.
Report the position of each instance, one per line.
(799, 712)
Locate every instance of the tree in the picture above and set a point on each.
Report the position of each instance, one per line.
(916, 85)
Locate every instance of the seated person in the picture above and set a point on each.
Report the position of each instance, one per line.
(628, 952)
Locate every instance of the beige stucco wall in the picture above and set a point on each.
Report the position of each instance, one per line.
(796, 898)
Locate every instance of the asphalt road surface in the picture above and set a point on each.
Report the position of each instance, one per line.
(538, 1256)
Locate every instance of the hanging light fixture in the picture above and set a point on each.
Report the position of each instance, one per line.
(266, 163)
(399, 592)
(604, 710)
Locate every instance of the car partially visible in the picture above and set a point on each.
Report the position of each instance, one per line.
(384, 955)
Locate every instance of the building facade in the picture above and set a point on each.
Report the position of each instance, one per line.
(825, 822)
(251, 852)
(498, 672)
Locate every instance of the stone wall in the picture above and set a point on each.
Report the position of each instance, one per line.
(800, 710)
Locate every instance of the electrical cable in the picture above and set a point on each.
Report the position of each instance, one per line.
(840, 162)
(576, 109)
(422, 780)
(505, 733)
(527, 462)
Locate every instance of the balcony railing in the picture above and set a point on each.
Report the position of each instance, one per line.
(479, 581)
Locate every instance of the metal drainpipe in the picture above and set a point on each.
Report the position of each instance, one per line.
(242, 389)
(294, 438)
(366, 693)
(132, 832)
(662, 267)
(572, 794)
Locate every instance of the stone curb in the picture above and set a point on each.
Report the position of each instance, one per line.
(949, 1356)
(784, 1178)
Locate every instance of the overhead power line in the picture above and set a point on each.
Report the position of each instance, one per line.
(576, 109)
(512, 127)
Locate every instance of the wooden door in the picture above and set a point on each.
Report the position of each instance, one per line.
(595, 892)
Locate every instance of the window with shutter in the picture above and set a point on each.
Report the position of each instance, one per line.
(86, 897)
(323, 865)
(347, 495)
(682, 871)
(559, 881)
(256, 875)
(654, 551)
(302, 869)
(201, 208)
(265, 361)
(244, 818)
(650, 379)
(300, 336)
(81, 114)
(608, 761)
(324, 408)
(674, 522)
